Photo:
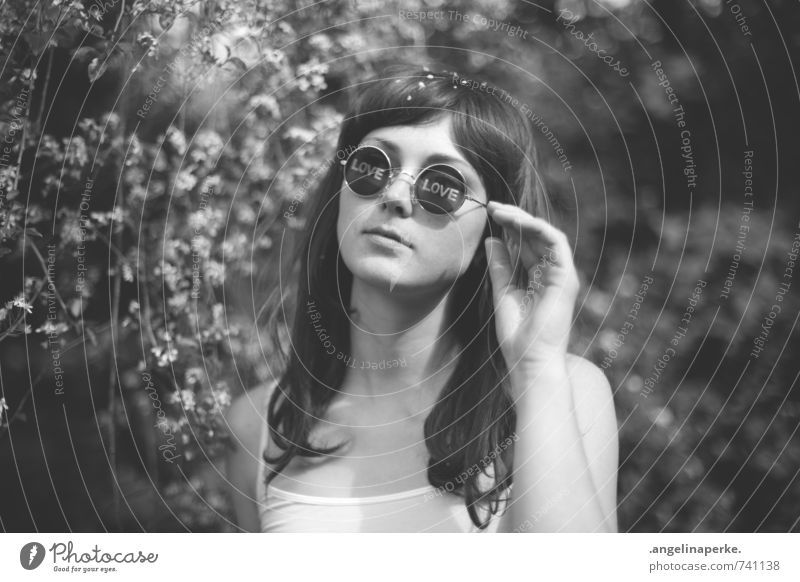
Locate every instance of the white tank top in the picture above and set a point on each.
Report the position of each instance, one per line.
(426, 509)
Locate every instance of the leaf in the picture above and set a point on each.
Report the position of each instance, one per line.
(37, 41)
(33, 232)
(166, 20)
(193, 19)
(84, 53)
(237, 62)
(75, 307)
(65, 36)
(96, 69)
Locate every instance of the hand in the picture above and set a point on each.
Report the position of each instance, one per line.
(532, 324)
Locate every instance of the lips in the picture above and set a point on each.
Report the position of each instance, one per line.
(389, 233)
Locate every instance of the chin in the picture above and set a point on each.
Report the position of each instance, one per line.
(378, 271)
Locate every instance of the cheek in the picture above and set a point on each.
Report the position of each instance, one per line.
(349, 223)
(454, 248)
(339, 228)
(346, 221)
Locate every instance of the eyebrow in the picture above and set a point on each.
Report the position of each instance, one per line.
(432, 159)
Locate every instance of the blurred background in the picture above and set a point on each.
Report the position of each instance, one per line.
(155, 156)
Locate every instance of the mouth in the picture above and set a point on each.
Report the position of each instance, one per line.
(388, 234)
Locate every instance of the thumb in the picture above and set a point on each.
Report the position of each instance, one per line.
(500, 271)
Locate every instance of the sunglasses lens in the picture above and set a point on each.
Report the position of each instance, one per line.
(441, 190)
(367, 171)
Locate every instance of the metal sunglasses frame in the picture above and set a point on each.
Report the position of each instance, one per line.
(394, 174)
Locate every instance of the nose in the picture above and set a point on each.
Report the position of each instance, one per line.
(398, 196)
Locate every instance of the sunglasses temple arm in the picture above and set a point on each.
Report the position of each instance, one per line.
(484, 204)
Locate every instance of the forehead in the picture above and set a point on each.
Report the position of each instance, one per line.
(431, 138)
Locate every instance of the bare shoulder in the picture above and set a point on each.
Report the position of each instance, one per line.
(591, 390)
(246, 420)
(246, 417)
(597, 420)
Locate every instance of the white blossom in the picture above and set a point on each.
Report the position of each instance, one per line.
(185, 180)
(22, 303)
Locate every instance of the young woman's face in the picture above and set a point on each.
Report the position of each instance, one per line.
(440, 247)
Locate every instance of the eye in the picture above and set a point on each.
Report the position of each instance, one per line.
(367, 170)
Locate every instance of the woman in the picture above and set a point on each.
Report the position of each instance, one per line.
(426, 384)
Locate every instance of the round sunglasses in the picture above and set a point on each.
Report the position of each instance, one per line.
(438, 188)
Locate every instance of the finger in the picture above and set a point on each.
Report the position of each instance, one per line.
(541, 237)
(515, 219)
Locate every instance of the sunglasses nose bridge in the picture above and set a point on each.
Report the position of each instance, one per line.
(395, 195)
(409, 175)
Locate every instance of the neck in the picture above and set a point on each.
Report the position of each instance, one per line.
(401, 348)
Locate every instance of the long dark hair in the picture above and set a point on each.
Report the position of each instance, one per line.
(468, 431)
